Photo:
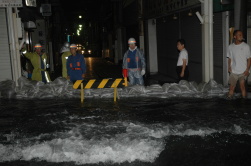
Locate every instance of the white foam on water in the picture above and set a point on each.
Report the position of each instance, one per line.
(89, 143)
(115, 142)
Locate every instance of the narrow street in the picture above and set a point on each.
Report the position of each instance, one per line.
(175, 109)
(97, 68)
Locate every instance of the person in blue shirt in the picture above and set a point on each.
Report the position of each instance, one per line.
(76, 67)
(134, 62)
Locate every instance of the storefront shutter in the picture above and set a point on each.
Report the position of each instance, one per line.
(5, 63)
(169, 30)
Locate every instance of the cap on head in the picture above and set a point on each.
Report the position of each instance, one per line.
(131, 41)
(73, 46)
(37, 46)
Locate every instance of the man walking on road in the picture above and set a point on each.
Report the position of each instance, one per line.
(238, 63)
(134, 62)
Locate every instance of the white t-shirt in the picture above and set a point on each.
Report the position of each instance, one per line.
(183, 55)
(238, 55)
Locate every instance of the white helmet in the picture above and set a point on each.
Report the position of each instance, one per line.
(73, 46)
(37, 46)
(64, 49)
(131, 41)
(67, 44)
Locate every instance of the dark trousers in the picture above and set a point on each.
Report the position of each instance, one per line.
(43, 76)
(186, 73)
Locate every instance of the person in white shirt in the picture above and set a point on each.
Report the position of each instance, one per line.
(238, 63)
(182, 64)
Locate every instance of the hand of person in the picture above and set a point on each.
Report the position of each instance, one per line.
(182, 74)
(68, 78)
(229, 69)
(143, 72)
(83, 75)
(246, 73)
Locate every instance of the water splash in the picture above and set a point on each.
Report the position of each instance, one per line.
(114, 142)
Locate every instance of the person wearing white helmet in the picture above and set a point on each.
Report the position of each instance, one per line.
(76, 67)
(134, 62)
(39, 62)
(66, 53)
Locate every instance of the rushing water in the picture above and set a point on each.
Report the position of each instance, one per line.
(134, 131)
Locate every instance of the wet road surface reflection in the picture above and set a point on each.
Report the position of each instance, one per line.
(98, 68)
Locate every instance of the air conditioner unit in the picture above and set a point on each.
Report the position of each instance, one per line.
(30, 25)
(45, 9)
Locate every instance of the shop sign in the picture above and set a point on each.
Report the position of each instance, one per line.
(11, 3)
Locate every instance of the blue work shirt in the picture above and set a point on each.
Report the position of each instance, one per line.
(131, 57)
(76, 67)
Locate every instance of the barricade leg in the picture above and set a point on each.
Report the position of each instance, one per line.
(82, 93)
(115, 94)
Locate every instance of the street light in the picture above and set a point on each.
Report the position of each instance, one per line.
(190, 13)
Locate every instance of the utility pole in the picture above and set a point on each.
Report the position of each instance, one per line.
(207, 39)
(14, 43)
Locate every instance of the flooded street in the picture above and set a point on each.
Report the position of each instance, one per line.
(133, 131)
(154, 125)
(125, 83)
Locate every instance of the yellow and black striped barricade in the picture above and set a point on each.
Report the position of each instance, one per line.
(97, 84)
